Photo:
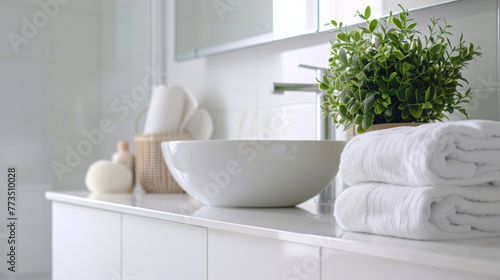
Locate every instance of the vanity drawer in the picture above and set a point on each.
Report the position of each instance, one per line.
(246, 257)
(345, 265)
(157, 249)
(85, 243)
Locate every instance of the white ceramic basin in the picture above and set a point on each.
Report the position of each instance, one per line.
(252, 173)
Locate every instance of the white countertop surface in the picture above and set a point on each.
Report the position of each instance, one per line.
(302, 224)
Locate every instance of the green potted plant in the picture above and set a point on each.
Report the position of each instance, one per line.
(388, 72)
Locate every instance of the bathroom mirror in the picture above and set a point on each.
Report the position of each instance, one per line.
(344, 11)
(206, 27)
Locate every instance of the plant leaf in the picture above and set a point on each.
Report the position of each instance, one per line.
(436, 48)
(398, 54)
(367, 121)
(341, 36)
(360, 130)
(408, 94)
(397, 23)
(341, 68)
(428, 94)
(342, 110)
(325, 79)
(349, 126)
(379, 109)
(342, 56)
(343, 93)
(402, 15)
(393, 74)
(355, 108)
(357, 36)
(405, 113)
(373, 25)
(406, 47)
(385, 93)
(393, 36)
(401, 95)
(337, 84)
(368, 12)
(388, 111)
(419, 44)
(368, 102)
(411, 26)
(416, 111)
(359, 119)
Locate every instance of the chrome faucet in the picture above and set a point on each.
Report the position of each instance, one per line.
(324, 130)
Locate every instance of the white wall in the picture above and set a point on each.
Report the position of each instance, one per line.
(61, 82)
(49, 88)
(125, 68)
(234, 86)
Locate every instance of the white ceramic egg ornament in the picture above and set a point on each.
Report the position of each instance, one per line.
(104, 176)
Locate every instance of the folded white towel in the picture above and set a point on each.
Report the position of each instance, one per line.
(426, 213)
(449, 153)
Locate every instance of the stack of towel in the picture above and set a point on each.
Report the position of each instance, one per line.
(431, 182)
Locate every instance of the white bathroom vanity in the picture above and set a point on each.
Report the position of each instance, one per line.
(172, 236)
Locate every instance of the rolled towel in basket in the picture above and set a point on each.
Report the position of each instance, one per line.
(449, 153)
(426, 213)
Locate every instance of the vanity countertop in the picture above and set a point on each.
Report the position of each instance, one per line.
(302, 224)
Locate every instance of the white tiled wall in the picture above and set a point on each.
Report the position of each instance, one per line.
(235, 85)
(11, 13)
(125, 65)
(61, 82)
(48, 91)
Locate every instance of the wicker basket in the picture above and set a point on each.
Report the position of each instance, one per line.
(151, 172)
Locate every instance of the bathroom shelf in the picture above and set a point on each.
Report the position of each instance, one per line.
(305, 226)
